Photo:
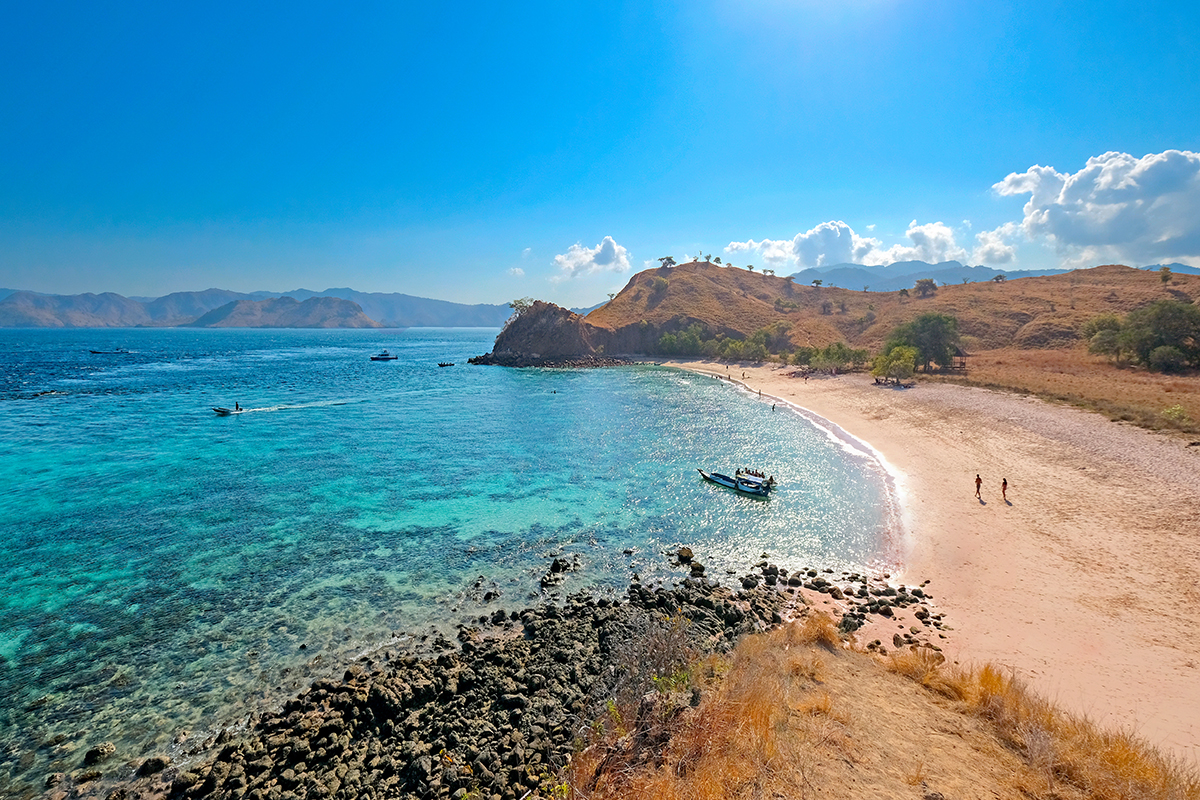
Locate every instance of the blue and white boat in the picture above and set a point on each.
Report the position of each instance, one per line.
(746, 484)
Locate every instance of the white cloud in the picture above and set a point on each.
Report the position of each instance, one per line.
(525, 253)
(1118, 208)
(835, 242)
(994, 247)
(516, 271)
(579, 261)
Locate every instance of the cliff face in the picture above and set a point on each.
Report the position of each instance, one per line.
(545, 334)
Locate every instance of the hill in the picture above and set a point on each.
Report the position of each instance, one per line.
(903, 274)
(1027, 313)
(287, 312)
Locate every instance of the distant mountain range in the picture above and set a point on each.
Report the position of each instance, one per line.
(333, 308)
(903, 274)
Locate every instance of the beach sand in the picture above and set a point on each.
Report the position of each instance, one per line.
(1086, 583)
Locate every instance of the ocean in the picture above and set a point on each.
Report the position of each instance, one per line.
(169, 571)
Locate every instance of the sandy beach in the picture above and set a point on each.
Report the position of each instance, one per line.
(1086, 582)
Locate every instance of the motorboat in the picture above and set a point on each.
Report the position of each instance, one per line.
(225, 412)
(445, 363)
(755, 478)
(738, 484)
(384, 356)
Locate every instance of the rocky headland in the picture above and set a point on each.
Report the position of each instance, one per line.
(502, 711)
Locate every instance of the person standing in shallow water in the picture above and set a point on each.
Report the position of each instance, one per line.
(978, 484)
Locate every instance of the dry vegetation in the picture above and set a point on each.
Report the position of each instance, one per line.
(1023, 334)
(792, 713)
(1072, 376)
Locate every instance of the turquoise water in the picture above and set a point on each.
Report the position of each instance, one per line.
(169, 570)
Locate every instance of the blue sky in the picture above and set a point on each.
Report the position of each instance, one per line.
(479, 152)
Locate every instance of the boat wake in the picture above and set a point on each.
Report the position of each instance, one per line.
(231, 412)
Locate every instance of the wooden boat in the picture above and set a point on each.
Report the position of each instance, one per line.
(384, 356)
(224, 412)
(445, 363)
(752, 488)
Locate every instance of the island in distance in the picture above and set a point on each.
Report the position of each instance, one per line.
(220, 308)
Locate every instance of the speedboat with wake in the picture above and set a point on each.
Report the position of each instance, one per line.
(743, 484)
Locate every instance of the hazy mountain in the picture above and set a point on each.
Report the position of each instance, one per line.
(108, 310)
(180, 308)
(397, 310)
(287, 312)
(583, 312)
(1183, 269)
(19, 309)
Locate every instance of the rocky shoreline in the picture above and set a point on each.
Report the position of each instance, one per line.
(499, 713)
(550, 362)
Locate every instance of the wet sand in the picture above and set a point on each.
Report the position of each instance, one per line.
(1086, 582)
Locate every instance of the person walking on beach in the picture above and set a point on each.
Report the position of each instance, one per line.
(1004, 489)
(978, 483)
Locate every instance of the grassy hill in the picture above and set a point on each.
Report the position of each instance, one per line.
(1027, 313)
(1023, 334)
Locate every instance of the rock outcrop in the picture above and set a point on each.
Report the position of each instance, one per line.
(546, 335)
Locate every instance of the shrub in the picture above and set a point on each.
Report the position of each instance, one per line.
(1167, 359)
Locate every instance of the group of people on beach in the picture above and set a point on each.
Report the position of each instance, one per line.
(979, 487)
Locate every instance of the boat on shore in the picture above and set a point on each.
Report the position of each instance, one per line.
(741, 484)
(384, 356)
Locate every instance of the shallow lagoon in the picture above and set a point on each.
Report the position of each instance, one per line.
(174, 570)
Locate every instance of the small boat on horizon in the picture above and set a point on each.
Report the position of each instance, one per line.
(445, 363)
(384, 356)
(744, 484)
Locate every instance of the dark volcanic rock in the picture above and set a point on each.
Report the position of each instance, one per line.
(496, 718)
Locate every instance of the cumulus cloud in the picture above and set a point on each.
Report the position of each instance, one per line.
(995, 247)
(579, 261)
(516, 271)
(835, 242)
(1118, 207)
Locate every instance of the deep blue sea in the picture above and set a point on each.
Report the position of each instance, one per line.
(167, 570)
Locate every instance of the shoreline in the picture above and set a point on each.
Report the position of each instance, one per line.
(1086, 584)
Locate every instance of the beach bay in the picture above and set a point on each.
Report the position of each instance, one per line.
(173, 571)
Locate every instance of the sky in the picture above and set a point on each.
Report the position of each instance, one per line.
(480, 152)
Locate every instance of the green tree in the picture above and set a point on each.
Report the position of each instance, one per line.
(898, 364)
(817, 282)
(667, 261)
(1106, 342)
(925, 287)
(1165, 323)
(1164, 275)
(903, 293)
(1100, 322)
(935, 336)
(803, 355)
(717, 260)
(1000, 278)
(1166, 359)
(519, 307)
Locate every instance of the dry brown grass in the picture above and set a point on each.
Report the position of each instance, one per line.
(1024, 333)
(1073, 376)
(750, 735)
(786, 716)
(1060, 748)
